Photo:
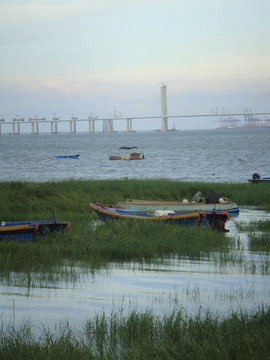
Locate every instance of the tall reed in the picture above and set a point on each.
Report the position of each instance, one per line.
(240, 336)
(125, 241)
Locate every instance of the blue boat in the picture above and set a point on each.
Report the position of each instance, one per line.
(184, 207)
(214, 220)
(67, 156)
(259, 180)
(29, 230)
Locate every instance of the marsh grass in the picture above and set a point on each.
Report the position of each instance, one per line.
(93, 247)
(38, 198)
(258, 235)
(261, 225)
(259, 242)
(96, 246)
(145, 336)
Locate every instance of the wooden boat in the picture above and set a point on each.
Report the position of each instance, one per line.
(152, 205)
(264, 180)
(214, 220)
(67, 156)
(132, 156)
(29, 230)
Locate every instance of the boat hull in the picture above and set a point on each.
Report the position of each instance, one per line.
(265, 180)
(214, 220)
(186, 207)
(29, 230)
(67, 157)
(107, 213)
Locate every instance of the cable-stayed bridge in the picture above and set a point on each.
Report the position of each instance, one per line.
(33, 125)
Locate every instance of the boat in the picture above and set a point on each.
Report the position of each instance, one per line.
(67, 156)
(128, 147)
(257, 179)
(132, 156)
(264, 180)
(215, 220)
(184, 206)
(30, 230)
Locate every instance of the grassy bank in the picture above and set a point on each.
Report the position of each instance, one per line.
(146, 336)
(24, 199)
(126, 241)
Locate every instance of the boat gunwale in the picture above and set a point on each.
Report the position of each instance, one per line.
(175, 216)
(161, 202)
(33, 228)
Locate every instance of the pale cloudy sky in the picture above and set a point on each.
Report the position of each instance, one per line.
(99, 56)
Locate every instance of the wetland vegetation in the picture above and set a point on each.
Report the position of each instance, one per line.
(91, 246)
(145, 336)
(95, 246)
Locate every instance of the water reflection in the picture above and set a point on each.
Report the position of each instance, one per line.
(241, 280)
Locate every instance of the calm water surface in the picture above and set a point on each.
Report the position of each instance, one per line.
(208, 155)
(231, 156)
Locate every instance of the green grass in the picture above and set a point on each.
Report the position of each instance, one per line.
(23, 199)
(258, 235)
(95, 247)
(124, 241)
(136, 335)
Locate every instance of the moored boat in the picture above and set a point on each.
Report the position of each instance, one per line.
(29, 230)
(67, 156)
(132, 156)
(257, 179)
(214, 220)
(152, 205)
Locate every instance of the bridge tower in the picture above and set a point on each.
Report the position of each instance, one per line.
(164, 119)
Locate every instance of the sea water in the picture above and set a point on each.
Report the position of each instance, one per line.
(206, 155)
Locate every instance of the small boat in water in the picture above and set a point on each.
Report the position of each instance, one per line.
(152, 205)
(29, 230)
(67, 156)
(132, 156)
(215, 220)
(257, 179)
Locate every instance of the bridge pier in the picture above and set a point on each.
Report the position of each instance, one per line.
(55, 123)
(164, 118)
(110, 125)
(91, 125)
(129, 125)
(72, 126)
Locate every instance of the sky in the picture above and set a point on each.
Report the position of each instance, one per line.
(100, 57)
